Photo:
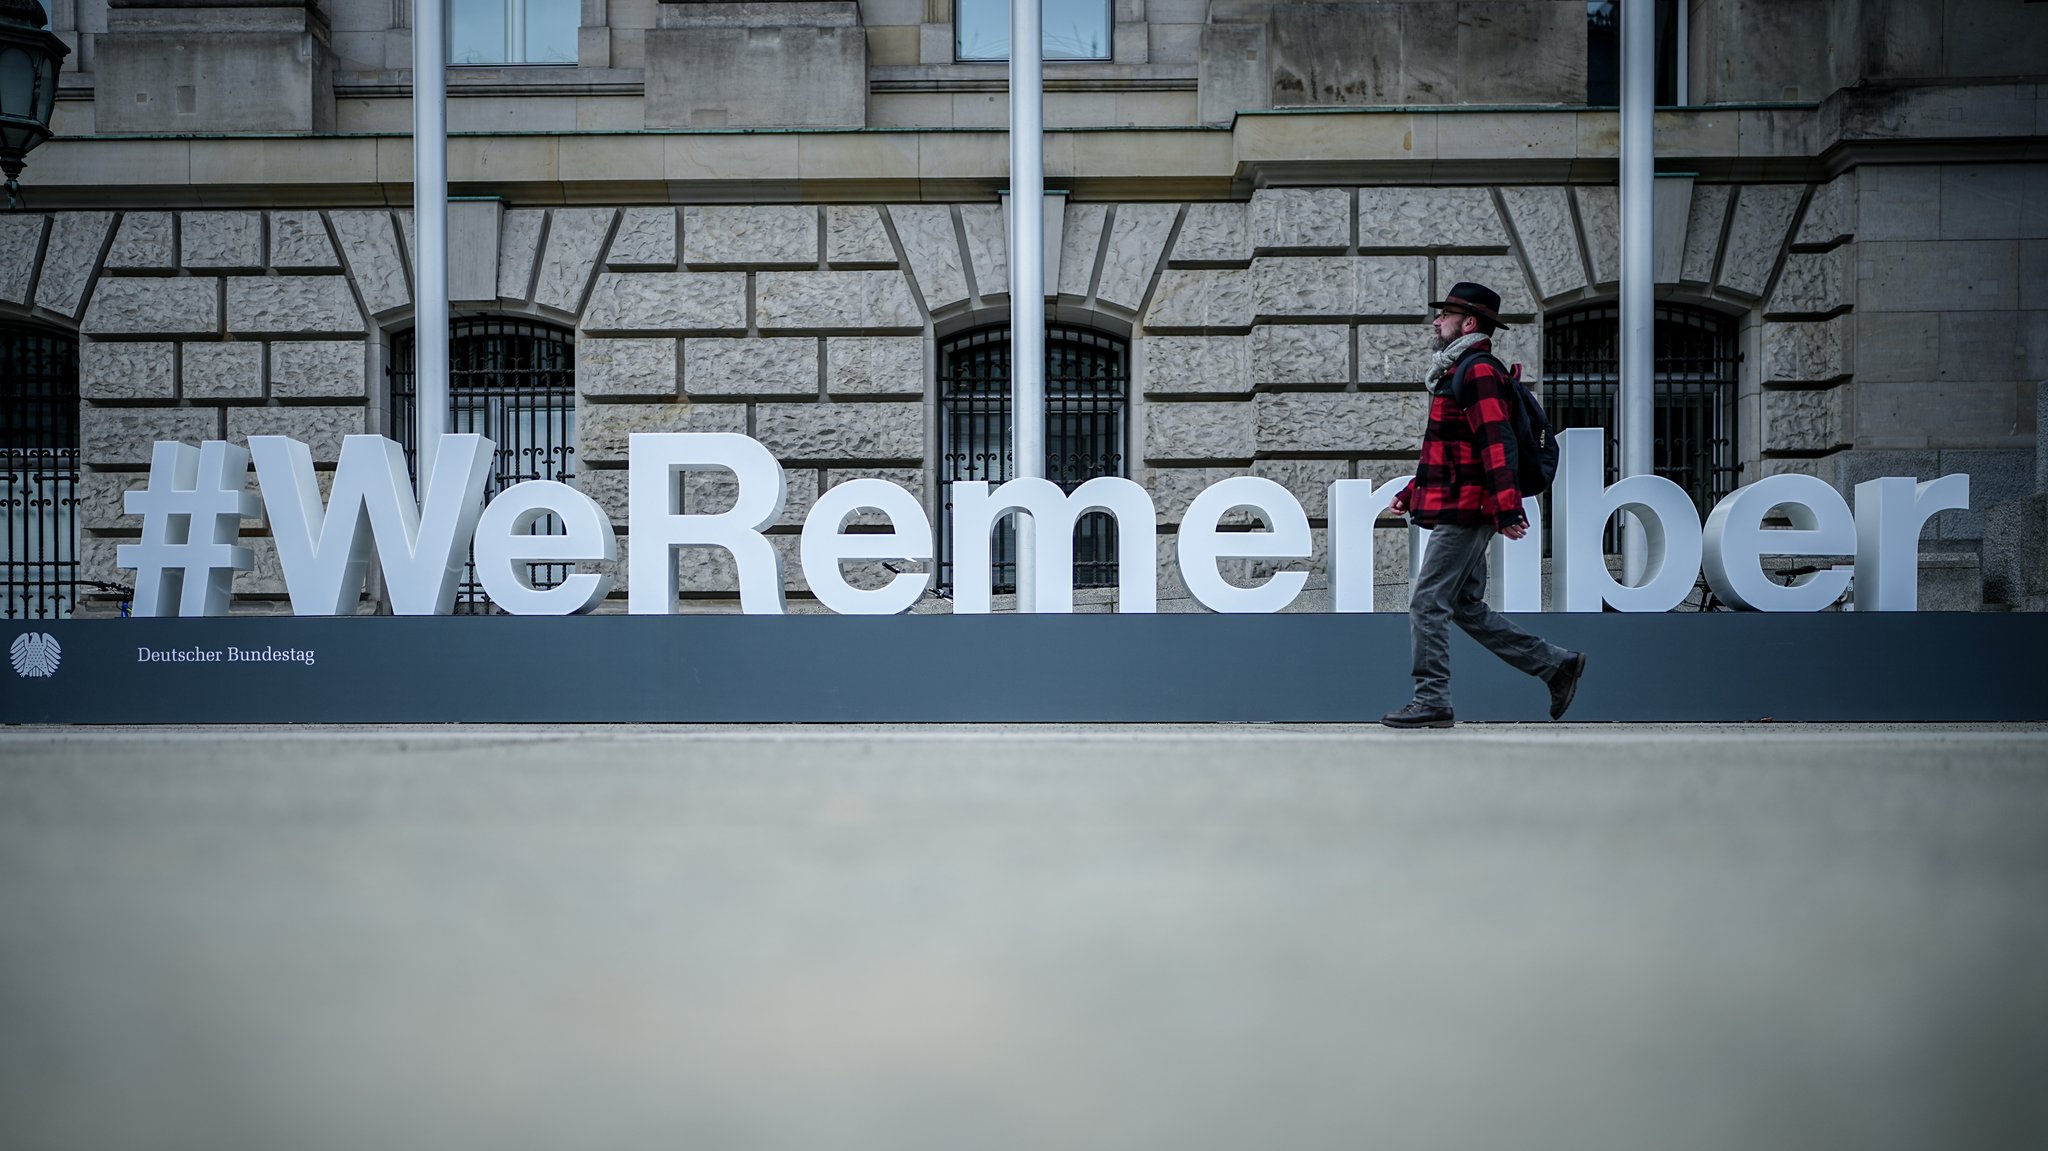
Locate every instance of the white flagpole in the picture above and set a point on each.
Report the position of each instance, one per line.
(1638, 330)
(430, 226)
(1027, 271)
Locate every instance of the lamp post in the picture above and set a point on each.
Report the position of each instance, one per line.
(29, 56)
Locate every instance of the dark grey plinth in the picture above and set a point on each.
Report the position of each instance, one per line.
(1714, 667)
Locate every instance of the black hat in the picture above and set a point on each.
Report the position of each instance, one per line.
(1473, 300)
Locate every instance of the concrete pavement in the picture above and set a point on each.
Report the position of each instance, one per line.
(1548, 936)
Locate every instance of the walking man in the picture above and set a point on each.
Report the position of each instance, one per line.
(1464, 492)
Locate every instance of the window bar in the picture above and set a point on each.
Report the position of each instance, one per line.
(1085, 384)
(514, 382)
(39, 482)
(1695, 393)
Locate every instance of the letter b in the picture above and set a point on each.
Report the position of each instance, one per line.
(1584, 502)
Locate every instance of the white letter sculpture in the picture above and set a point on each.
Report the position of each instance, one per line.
(1736, 541)
(658, 527)
(1583, 505)
(189, 488)
(1889, 515)
(1200, 545)
(504, 548)
(1355, 505)
(825, 544)
(1054, 513)
(325, 553)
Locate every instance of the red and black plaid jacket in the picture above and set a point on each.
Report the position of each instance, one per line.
(1465, 476)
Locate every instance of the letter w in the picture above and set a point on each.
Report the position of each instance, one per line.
(421, 547)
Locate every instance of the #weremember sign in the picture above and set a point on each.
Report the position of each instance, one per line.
(195, 502)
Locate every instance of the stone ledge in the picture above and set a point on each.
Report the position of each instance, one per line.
(1340, 146)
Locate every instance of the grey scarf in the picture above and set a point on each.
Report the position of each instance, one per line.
(1442, 362)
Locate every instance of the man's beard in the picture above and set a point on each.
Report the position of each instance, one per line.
(1439, 343)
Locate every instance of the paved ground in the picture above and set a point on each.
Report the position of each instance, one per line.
(905, 938)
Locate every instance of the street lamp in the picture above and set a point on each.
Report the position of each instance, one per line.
(29, 56)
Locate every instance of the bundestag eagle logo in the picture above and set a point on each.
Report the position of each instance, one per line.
(35, 654)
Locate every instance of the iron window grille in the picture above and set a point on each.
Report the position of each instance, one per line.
(513, 381)
(1087, 382)
(39, 473)
(1694, 406)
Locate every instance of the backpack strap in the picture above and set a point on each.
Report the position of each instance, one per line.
(1464, 368)
(1513, 376)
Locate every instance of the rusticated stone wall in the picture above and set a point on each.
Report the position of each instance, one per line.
(793, 324)
(1281, 336)
(207, 325)
(1944, 272)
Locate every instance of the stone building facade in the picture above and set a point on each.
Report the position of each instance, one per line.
(777, 218)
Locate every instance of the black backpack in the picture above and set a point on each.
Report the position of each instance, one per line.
(1532, 450)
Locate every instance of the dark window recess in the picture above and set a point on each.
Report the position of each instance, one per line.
(513, 382)
(1603, 53)
(1694, 414)
(1087, 380)
(38, 473)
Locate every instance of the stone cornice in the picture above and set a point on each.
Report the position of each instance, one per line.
(1403, 145)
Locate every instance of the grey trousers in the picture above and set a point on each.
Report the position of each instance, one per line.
(1451, 588)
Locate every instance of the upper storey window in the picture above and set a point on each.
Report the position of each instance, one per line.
(1603, 53)
(513, 31)
(1073, 29)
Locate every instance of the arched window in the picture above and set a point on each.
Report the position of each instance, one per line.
(513, 381)
(38, 473)
(1087, 382)
(1694, 416)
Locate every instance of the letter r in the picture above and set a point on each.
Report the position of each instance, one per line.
(658, 527)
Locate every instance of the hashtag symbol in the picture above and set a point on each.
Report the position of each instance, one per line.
(191, 513)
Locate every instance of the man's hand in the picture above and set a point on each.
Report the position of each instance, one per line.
(1400, 502)
(1515, 531)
